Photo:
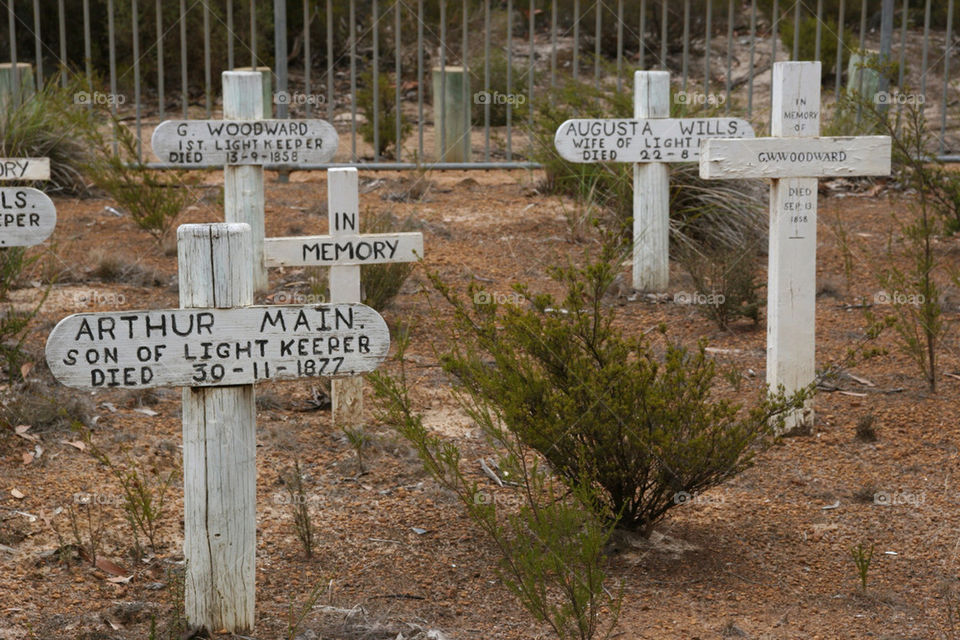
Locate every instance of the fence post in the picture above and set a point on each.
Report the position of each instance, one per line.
(219, 444)
(243, 184)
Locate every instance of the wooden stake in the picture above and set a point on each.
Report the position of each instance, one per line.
(651, 190)
(243, 184)
(219, 445)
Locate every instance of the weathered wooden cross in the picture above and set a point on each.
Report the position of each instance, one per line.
(242, 143)
(216, 346)
(344, 250)
(793, 158)
(27, 216)
(650, 140)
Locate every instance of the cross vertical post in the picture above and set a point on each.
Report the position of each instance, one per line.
(343, 209)
(651, 190)
(219, 443)
(243, 184)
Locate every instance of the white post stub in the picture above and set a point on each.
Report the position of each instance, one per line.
(651, 191)
(219, 444)
(792, 273)
(243, 184)
(343, 206)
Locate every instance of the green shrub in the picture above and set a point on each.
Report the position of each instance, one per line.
(386, 112)
(603, 408)
(828, 42)
(515, 95)
(550, 542)
(37, 128)
(15, 322)
(729, 278)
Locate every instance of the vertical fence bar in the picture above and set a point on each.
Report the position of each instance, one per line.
(948, 45)
(37, 44)
(576, 39)
(183, 56)
(280, 54)
(774, 28)
(642, 44)
(597, 37)
(553, 44)
(465, 82)
(375, 78)
(486, 80)
(62, 18)
(353, 80)
(307, 66)
(443, 83)
(329, 97)
(230, 35)
(420, 79)
(87, 56)
(903, 55)
(112, 43)
(796, 32)
(729, 87)
(886, 44)
(160, 98)
(708, 28)
(840, 45)
(863, 59)
(15, 70)
(509, 78)
(619, 46)
(685, 64)
(753, 52)
(924, 50)
(819, 31)
(207, 90)
(663, 36)
(135, 36)
(253, 36)
(397, 76)
(530, 78)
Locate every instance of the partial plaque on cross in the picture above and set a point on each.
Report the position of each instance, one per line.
(27, 215)
(793, 158)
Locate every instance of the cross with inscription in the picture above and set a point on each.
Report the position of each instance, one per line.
(650, 140)
(344, 250)
(27, 216)
(793, 158)
(242, 143)
(216, 346)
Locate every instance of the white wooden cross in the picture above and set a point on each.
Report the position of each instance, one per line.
(793, 158)
(344, 250)
(242, 143)
(27, 216)
(650, 140)
(216, 347)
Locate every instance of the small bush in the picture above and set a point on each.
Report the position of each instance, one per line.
(14, 322)
(730, 280)
(500, 96)
(601, 407)
(386, 112)
(866, 430)
(828, 42)
(293, 480)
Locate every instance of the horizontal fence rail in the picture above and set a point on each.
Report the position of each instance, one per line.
(399, 78)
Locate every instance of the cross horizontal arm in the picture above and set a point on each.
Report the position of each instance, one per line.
(643, 140)
(795, 157)
(369, 248)
(24, 168)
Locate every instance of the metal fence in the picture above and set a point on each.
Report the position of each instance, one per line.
(545, 43)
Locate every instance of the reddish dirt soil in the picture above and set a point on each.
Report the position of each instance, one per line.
(758, 557)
